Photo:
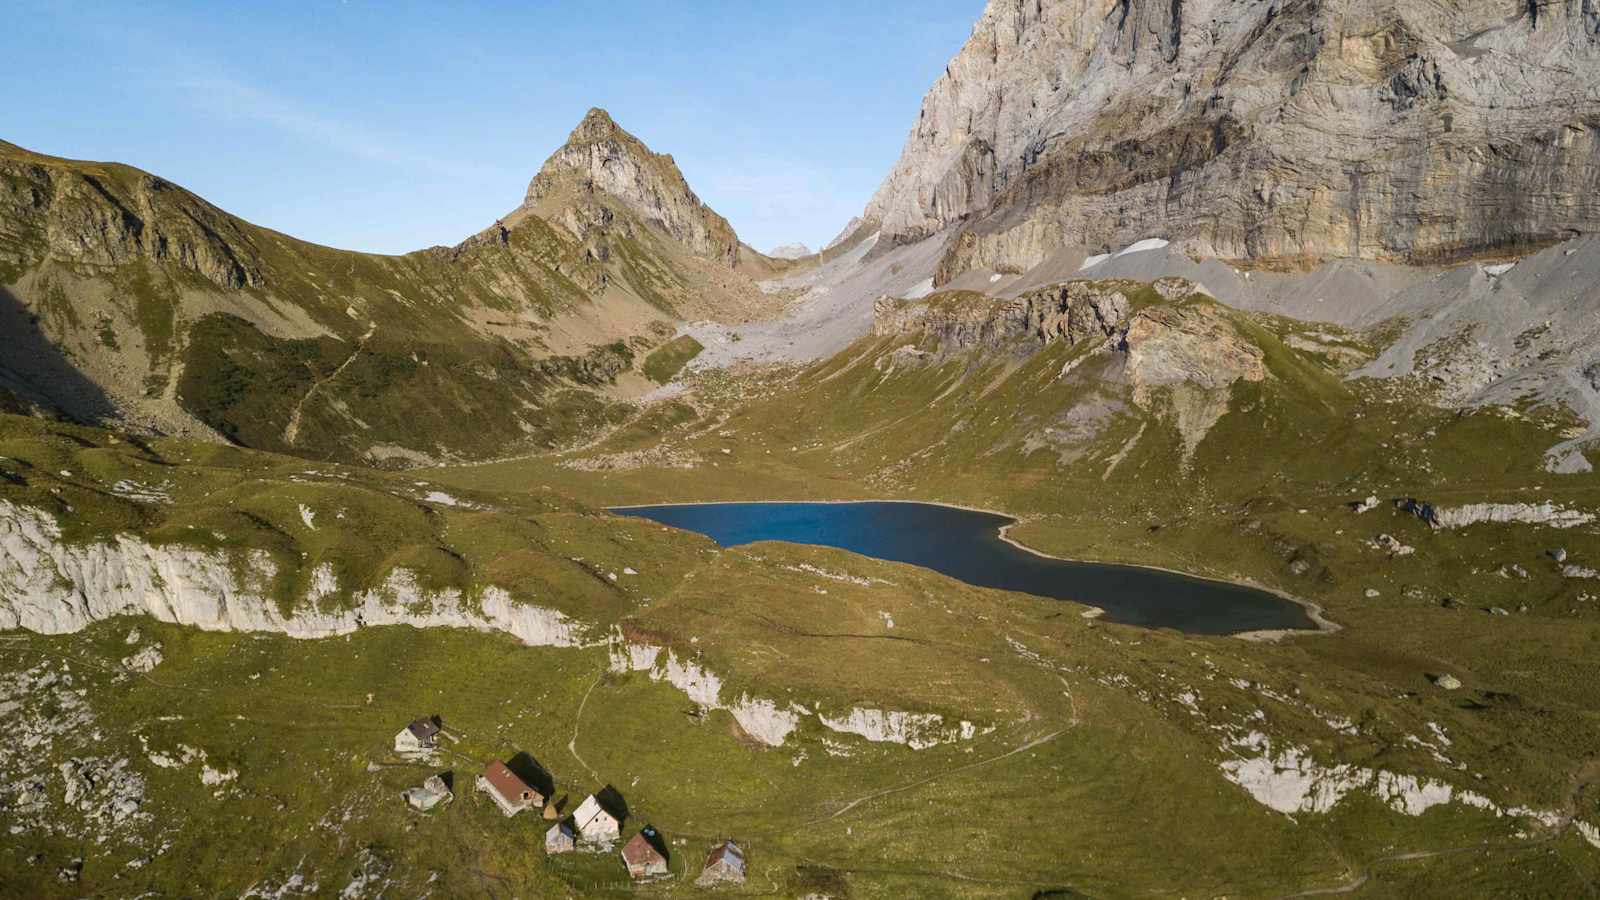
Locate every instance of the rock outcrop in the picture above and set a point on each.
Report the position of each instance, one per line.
(51, 586)
(1547, 513)
(1072, 311)
(1195, 345)
(106, 216)
(1179, 357)
(601, 157)
(769, 722)
(1282, 132)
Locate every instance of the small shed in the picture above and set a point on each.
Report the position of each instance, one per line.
(562, 837)
(597, 823)
(509, 792)
(418, 738)
(725, 864)
(646, 855)
(433, 792)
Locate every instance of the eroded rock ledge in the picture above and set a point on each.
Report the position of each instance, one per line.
(51, 586)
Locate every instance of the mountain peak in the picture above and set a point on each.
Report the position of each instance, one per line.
(597, 125)
(600, 157)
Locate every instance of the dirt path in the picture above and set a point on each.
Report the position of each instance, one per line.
(292, 431)
(1036, 742)
(577, 720)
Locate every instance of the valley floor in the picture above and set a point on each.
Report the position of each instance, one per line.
(864, 729)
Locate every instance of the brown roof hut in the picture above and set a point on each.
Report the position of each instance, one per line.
(510, 793)
(645, 855)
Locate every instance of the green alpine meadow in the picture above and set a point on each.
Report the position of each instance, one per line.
(1177, 479)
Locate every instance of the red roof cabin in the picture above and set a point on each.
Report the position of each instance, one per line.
(510, 793)
(645, 855)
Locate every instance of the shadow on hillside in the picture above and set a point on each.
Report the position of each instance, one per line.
(611, 800)
(38, 373)
(532, 773)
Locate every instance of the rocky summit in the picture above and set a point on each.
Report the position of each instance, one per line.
(601, 158)
(1179, 481)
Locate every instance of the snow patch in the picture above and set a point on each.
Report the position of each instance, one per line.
(1143, 246)
(922, 289)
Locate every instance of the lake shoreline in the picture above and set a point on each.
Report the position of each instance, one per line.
(1322, 625)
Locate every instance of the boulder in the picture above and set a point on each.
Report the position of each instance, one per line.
(145, 660)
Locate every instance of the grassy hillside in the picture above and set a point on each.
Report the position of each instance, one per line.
(142, 304)
(1095, 739)
(1265, 498)
(1066, 748)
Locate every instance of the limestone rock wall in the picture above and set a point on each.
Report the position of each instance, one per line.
(53, 587)
(1272, 130)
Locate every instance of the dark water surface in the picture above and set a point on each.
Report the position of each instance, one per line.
(966, 545)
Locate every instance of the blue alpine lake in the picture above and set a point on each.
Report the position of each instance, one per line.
(967, 545)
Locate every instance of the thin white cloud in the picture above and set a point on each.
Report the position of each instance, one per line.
(230, 98)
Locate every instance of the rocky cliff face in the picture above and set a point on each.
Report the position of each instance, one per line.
(601, 157)
(52, 586)
(1073, 311)
(1178, 352)
(109, 216)
(1282, 132)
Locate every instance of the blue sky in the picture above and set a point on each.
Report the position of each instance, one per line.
(389, 126)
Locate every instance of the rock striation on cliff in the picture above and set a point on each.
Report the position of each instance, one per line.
(1276, 131)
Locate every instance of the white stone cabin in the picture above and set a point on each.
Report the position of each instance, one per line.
(644, 856)
(510, 793)
(724, 865)
(562, 837)
(432, 793)
(595, 822)
(420, 737)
